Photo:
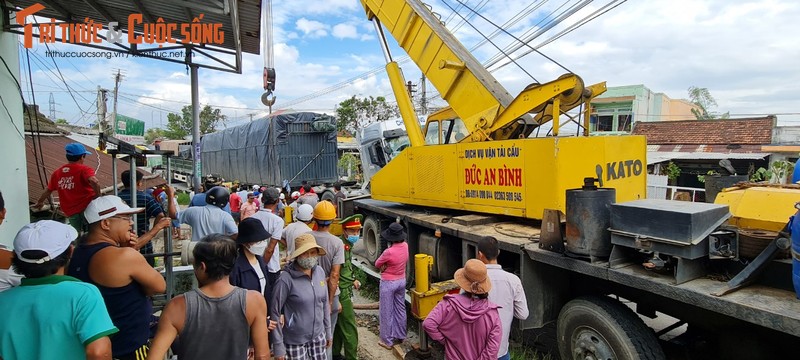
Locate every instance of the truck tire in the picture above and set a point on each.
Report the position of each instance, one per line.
(372, 237)
(596, 327)
(328, 195)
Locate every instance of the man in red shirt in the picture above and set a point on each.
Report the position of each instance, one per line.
(76, 184)
(236, 203)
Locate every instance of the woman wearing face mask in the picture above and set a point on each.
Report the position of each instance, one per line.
(249, 268)
(392, 264)
(301, 297)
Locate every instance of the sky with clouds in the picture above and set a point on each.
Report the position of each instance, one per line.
(744, 52)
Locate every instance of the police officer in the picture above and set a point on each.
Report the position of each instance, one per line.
(345, 334)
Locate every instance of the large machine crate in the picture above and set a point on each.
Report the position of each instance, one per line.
(293, 147)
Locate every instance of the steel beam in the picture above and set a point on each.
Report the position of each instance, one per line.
(146, 14)
(57, 7)
(100, 10)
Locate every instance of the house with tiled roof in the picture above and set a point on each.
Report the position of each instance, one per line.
(697, 146)
(44, 153)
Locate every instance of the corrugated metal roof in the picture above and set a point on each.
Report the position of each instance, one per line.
(654, 157)
(242, 22)
(53, 155)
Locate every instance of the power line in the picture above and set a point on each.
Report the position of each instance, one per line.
(61, 76)
(487, 38)
(568, 30)
(516, 38)
(534, 31)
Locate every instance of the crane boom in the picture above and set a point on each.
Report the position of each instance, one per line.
(487, 109)
(475, 155)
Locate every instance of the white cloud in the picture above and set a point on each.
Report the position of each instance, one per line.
(311, 28)
(345, 31)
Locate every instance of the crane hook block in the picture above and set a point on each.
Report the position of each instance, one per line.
(269, 79)
(267, 98)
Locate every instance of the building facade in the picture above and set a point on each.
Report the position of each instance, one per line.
(616, 110)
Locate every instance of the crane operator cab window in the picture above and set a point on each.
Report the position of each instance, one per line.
(448, 131)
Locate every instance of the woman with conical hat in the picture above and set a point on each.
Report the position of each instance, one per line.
(468, 324)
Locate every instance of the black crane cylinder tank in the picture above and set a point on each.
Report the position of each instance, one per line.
(588, 220)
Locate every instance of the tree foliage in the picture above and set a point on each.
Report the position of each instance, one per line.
(62, 122)
(355, 113)
(180, 125)
(152, 134)
(704, 100)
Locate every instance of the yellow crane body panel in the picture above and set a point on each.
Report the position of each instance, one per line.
(761, 208)
(520, 177)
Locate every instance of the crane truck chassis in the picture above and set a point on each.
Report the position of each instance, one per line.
(643, 259)
(586, 301)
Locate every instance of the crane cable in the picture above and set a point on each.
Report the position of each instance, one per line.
(515, 38)
(585, 20)
(268, 98)
(597, 13)
(486, 37)
(541, 27)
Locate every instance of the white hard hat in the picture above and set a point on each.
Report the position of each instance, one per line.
(295, 194)
(256, 187)
(305, 212)
(282, 197)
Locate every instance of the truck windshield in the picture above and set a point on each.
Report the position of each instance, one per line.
(453, 130)
(397, 145)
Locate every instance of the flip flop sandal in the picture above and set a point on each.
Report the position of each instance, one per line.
(387, 347)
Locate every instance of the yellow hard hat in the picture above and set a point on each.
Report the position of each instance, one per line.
(324, 211)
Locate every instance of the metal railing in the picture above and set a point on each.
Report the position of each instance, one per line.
(167, 254)
(669, 192)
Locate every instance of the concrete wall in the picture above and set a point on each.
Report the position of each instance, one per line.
(14, 176)
(645, 104)
(786, 135)
(680, 109)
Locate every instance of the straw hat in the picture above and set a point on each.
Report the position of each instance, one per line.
(473, 277)
(307, 242)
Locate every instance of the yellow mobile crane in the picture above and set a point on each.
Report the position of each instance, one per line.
(472, 171)
(492, 166)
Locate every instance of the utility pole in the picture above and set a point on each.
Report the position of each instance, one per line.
(102, 124)
(117, 79)
(410, 87)
(423, 103)
(196, 128)
(52, 108)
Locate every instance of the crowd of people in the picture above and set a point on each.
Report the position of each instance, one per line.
(83, 290)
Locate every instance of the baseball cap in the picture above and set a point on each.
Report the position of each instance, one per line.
(49, 236)
(76, 149)
(107, 206)
(271, 195)
(305, 212)
(256, 187)
(295, 194)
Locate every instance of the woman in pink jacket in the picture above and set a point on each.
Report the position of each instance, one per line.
(467, 324)
(392, 264)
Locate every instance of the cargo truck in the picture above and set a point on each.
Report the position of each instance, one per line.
(280, 150)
